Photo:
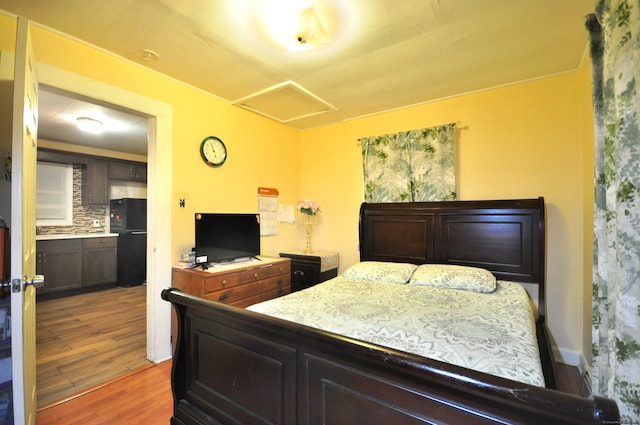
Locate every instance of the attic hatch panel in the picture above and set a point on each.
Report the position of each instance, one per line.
(285, 102)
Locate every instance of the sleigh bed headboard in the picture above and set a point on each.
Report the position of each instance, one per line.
(506, 237)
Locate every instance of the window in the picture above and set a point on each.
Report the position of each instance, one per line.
(54, 194)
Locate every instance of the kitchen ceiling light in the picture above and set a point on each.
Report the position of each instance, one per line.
(90, 125)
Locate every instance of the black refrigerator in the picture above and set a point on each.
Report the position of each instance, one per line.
(129, 220)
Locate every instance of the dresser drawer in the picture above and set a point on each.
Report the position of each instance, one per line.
(260, 273)
(265, 296)
(232, 295)
(220, 282)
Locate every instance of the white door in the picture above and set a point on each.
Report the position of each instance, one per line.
(23, 239)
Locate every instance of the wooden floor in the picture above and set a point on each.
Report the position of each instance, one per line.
(85, 340)
(569, 379)
(143, 397)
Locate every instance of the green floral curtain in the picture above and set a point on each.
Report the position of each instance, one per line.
(615, 54)
(416, 165)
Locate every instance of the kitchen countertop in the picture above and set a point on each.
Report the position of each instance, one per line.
(75, 236)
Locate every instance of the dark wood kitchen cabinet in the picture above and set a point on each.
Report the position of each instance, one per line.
(60, 261)
(76, 263)
(99, 261)
(128, 170)
(95, 183)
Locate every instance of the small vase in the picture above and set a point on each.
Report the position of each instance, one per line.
(308, 222)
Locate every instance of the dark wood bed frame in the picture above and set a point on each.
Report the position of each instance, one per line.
(233, 366)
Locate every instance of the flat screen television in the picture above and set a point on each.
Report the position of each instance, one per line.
(226, 237)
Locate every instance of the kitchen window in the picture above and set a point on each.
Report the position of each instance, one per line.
(54, 194)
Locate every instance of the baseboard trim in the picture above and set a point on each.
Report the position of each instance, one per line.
(576, 358)
(573, 358)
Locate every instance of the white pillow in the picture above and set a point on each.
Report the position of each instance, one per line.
(380, 271)
(454, 277)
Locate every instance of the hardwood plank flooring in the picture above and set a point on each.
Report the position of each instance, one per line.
(142, 397)
(85, 340)
(569, 379)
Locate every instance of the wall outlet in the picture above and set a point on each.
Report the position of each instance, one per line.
(96, 223)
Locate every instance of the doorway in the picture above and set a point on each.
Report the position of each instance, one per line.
(158, 313)
(85, 339)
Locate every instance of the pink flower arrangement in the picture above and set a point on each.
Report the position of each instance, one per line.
(308, 207)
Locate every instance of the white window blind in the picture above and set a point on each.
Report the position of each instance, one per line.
(54, 194)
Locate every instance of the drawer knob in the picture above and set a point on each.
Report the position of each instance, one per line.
(223, 297)
(255, 275)
(224, 281)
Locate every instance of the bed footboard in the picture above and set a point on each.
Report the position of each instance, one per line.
(234, 366)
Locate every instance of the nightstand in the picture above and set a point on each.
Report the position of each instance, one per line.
(310, 269)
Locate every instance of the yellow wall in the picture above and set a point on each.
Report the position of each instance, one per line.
(519, 141)
(524, 140)
(7, 33)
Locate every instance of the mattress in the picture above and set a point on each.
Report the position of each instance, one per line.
(492, 332)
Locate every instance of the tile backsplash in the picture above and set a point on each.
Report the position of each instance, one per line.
(83, 215)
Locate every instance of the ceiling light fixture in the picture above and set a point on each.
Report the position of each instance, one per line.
(90, 125)
(311, 32)
(297, 26)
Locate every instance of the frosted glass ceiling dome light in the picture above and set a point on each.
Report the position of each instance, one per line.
(90, 125)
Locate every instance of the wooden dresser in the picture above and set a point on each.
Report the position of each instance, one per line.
(240, 284)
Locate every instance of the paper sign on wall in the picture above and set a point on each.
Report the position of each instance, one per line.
(268, 209)
(286, 214)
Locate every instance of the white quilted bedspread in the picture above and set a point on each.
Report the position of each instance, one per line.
(492, 333)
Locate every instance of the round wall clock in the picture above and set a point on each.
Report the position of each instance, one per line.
(213, 151)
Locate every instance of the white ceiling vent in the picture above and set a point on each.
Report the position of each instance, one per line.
(285, 102)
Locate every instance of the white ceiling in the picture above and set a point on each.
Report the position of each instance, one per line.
(122, 131)
(381, 54)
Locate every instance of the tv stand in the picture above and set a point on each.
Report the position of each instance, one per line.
(237, 283)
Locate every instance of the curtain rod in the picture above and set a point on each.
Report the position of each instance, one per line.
(453, 124)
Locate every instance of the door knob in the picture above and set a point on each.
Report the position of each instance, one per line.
(17, 286)
(37, 281)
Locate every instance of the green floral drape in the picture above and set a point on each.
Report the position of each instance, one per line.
(615, 54)
(416, 165)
